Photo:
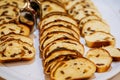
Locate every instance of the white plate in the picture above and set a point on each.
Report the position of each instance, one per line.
(33, 70)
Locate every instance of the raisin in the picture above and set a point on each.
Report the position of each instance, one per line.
(11, 29)
(8, 17)
(10, 44)
(2, 33)
(75, 63)
(100, 64)
(62, 72)
(29, 52)
(4, 13)
(25, 48)
(67, 78)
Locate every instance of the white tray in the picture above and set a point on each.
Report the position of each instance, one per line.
(33, 70)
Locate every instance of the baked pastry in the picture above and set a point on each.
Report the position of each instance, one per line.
(74, 69)
(49, 6)
(86, 19)
(9, 11)
(54, 16)
(70, 3)
(61, 44)
(9, 37)
(99, 39)
(60, 52)
(81, 5)
(79, 14)
(61, 22)
(61, 28)
(17, 3)
(52, 64)
(101, 58)
(53, 37)
(14, 28)
(93, 26)
(16, 50)
(114, 52)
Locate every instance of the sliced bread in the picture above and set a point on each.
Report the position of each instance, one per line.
(99, 39)
(17, 3)
(86, 19)
(61, 52)
(49, 6)
(74, 69)
(7, 19)
(70, 3)
(79, 14)
(61, 28)
(54, 16)
(68, 44)
(14, 28)
(93, 26)
(9, 37)
(114, 52)
(101, 58)
(9, 11)
(80, 5)
(16, 50)
(61, 22)
(55, 36)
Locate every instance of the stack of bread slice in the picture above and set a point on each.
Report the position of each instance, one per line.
(95, 31)
(91, 24)
(60, 46)
(15, 43)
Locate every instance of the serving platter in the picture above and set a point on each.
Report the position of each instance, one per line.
(33, 70)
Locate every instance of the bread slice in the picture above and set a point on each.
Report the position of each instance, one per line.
(70, 3)
(93, 26)
(7, 19)
(9, 11)
(16, 3)
(51, 65)
(74, 69)
(61, 22)
(55, 36)
(114, 52)
(14, 28)
(49, 6)
(16, 50)
(54, 16)
(68, 44)
(79, 14)
(60, 52)
(81, 5)
(62, 28)
(101, 58)
(99, 39)
(48, 67)
(86, 19)
(9, 37)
